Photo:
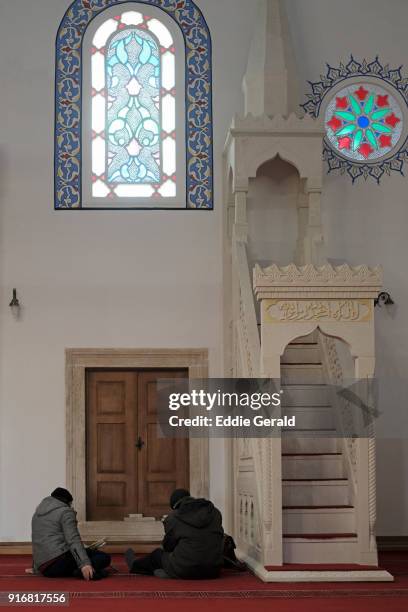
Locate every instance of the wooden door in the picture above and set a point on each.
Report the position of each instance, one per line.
(130, 470)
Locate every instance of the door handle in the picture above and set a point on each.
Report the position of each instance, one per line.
(140, 443)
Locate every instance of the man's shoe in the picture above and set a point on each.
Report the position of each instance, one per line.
(230, 559)
(160, 573)
(235, 564)
(130, 559)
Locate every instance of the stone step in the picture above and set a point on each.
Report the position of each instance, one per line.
(301, 353)
(305, 395)
(315, 492)
(312, 466)
(138, 517)
(340, 549)
(319, 520)
(296, 444)
(302, 374)
(311, 418)
(123, 531)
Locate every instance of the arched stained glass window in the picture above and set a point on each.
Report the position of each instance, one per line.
(137, 80)
(133, 108)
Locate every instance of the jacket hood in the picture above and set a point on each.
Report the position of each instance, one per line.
(49, 504)
(196, 512)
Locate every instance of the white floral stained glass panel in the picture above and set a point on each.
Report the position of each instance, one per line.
(133, 109)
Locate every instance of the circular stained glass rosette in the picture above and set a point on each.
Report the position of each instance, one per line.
(364, 122)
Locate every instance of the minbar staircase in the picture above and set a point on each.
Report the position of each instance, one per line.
(319, 520)
(326, 485)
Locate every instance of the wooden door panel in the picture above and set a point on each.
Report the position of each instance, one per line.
(158, 494)
(111, 453)
(163, 463)
(122, 480)
(111, 448)
(109, 494)
(111, 397)
(161, 457)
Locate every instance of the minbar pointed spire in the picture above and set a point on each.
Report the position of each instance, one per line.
(270, 83)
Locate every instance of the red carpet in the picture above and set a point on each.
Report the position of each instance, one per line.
(232, 591)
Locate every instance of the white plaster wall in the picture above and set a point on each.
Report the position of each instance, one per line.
(154, 278)
(90, 279)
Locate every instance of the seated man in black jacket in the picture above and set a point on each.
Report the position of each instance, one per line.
(193, 544)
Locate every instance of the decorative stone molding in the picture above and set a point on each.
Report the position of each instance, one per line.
(278, 124)
(360, 455)
(253, 141)
(324, 281)
(246, 317)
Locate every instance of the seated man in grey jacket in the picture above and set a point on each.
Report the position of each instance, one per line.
(57, 546)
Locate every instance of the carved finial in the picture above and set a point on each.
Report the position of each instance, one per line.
(270, 84)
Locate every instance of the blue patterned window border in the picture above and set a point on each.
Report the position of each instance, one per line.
(68, 101)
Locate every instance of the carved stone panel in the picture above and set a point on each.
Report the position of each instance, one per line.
(292, 311)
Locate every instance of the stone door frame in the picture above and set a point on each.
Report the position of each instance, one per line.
(77, 362)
